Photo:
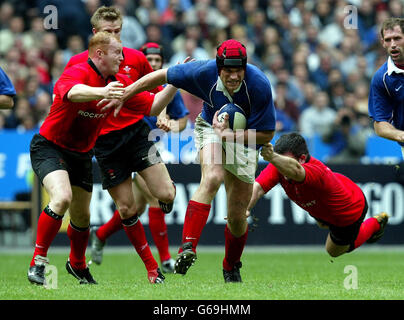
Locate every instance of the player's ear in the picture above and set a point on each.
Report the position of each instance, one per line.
(94, 31)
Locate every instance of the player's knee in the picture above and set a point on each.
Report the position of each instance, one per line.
(169, 195)
(61, 202)
(126, 211)
(212, 182)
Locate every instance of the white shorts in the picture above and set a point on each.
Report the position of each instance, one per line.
(239, 160)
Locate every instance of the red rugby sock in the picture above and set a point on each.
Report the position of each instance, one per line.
(135, 232)
(113, 225)
(78, 245)
(234, 248)
(368, 227)
(47, 229)
(195, 219)
(158, 229)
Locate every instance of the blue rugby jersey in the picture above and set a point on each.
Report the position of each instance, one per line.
(175, 109)
(6, 87)
(386, 95)
(201, 79)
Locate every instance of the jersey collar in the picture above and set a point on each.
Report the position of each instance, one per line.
(220, 87)
(391, 67)
(94, 67)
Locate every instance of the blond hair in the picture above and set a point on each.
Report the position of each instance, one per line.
(104, 13)
(101, 40)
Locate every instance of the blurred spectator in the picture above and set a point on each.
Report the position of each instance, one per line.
(284, 104)
(346, 138)
(190, 50)
(75, 45)
(6, 13)
(153, 34)
(318, 117)
(13, 35)
(132, 33)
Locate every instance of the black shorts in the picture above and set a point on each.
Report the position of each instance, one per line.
(347, 235)
(121, 152)
(47, 157)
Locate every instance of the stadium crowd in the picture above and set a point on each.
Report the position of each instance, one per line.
(318, 55)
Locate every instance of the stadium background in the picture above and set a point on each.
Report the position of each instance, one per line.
(319, 64)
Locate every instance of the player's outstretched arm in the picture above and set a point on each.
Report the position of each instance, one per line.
(388, 131)
(6, 102)
(257, 193)
(287, 166)
(162, 99)
(85, 93)
(146, 83)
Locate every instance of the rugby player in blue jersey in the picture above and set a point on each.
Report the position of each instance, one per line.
(386, 95)
(226, 79)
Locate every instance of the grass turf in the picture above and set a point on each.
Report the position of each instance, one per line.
(281, 274)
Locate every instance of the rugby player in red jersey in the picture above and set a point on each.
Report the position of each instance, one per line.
(61, 154)
(334, 200)
(123, 146)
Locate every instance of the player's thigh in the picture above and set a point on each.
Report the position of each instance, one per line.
(80, 207)
(159, 182)
(333, 249)
(212, 171)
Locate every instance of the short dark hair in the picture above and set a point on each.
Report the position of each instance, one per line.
(390, 23)
(291, 142)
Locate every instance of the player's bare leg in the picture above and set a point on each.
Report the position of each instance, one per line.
(159, 183)
(236, 231)
(157, 224)
(125, 202)
(78, 232)
(57, 185)
(212, 176)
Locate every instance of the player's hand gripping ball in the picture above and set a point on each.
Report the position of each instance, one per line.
(237, 117)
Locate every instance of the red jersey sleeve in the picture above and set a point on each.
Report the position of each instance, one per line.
(69, 78)
(268, 178)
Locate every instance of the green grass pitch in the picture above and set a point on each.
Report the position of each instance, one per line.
(268, 274)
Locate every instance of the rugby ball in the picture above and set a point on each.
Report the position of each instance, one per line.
(237, 117)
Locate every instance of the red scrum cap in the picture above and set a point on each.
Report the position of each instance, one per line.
(152, 48)
(231, 53)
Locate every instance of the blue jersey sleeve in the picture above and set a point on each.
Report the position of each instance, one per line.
(6, 87)
(379, 104)
(195, 77)
(262, 116)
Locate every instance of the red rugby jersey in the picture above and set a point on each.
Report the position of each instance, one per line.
(76, 125)
(328, 196)
(134, 66)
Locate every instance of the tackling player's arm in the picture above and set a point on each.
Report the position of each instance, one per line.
(85, 93)
(287, 166)
(6, 102)
(146, 83)
(257, 193)
(386, 130)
